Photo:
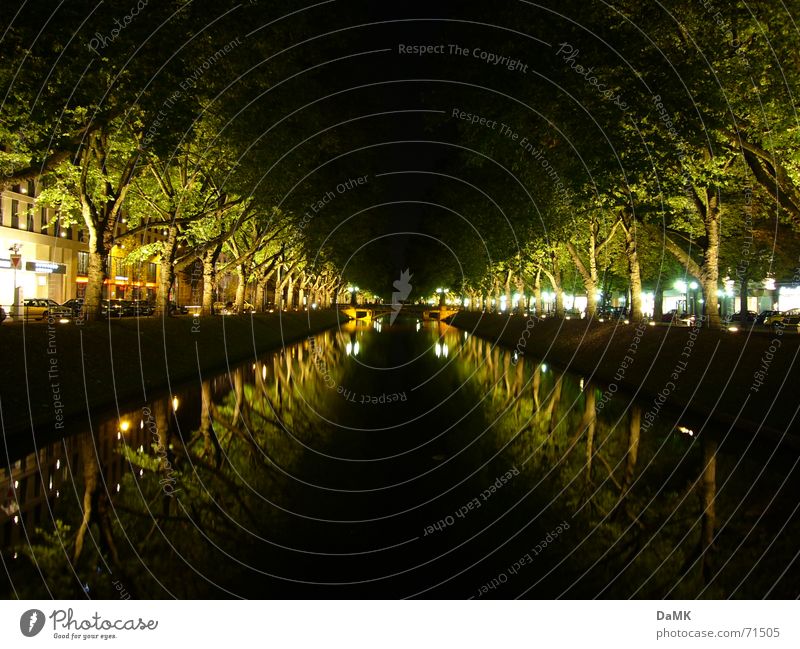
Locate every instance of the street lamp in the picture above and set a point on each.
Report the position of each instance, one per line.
(681, 286)
(693, 286)
(15, 260)
(769, 285)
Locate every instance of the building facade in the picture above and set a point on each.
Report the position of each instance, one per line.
(46, 259)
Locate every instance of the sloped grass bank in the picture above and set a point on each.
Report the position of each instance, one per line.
(52, 373)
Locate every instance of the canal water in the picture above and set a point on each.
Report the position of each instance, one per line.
(387, 460)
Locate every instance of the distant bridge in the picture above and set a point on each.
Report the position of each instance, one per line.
(373, 311)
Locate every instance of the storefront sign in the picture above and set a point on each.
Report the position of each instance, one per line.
(46, 267)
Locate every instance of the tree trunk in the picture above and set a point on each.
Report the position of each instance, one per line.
(167, 272)
(555, 280)
(658, 302)
(743, 300)
(710, 275)
(588, 275)
(537, 293)
(634, 271)
(94, 287)
(279, 288)
(289, 291)
(240, 288)
(209, 281)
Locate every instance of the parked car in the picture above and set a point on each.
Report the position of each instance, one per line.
(767, 317)
(34, 309)
(116, 308)
(62, 312)
(177, 309)
(72, 308)
(139, 307)
(612, 313)
(737, 317)
(678, 318)
(788, 318)
(229, 308)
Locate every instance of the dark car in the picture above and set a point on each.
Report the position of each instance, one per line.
(177, 309)
(612, 313)
(75, 307)
(736, 318)
(63, 312)
(116, 308)
(72, 307)
(138, 308)
(678, 318)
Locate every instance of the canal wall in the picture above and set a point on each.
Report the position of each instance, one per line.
(53, 374)
(689, 374)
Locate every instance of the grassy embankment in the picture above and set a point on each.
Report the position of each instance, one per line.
(44, 367)
(712, 374)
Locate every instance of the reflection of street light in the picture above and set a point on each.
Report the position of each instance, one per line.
(175, 403)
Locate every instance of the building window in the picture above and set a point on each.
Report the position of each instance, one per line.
(151, 272)
(68, 232)
(29, 219)
(43, 217)
(31, 188)
(81, 235)
(83, 263)
(57, 226)
(14, 213)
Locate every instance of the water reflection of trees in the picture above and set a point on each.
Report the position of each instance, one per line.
(645, 507)
(198, 500)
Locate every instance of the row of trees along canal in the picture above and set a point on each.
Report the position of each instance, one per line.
(151, 132)
(653, 146)
(643, 148)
